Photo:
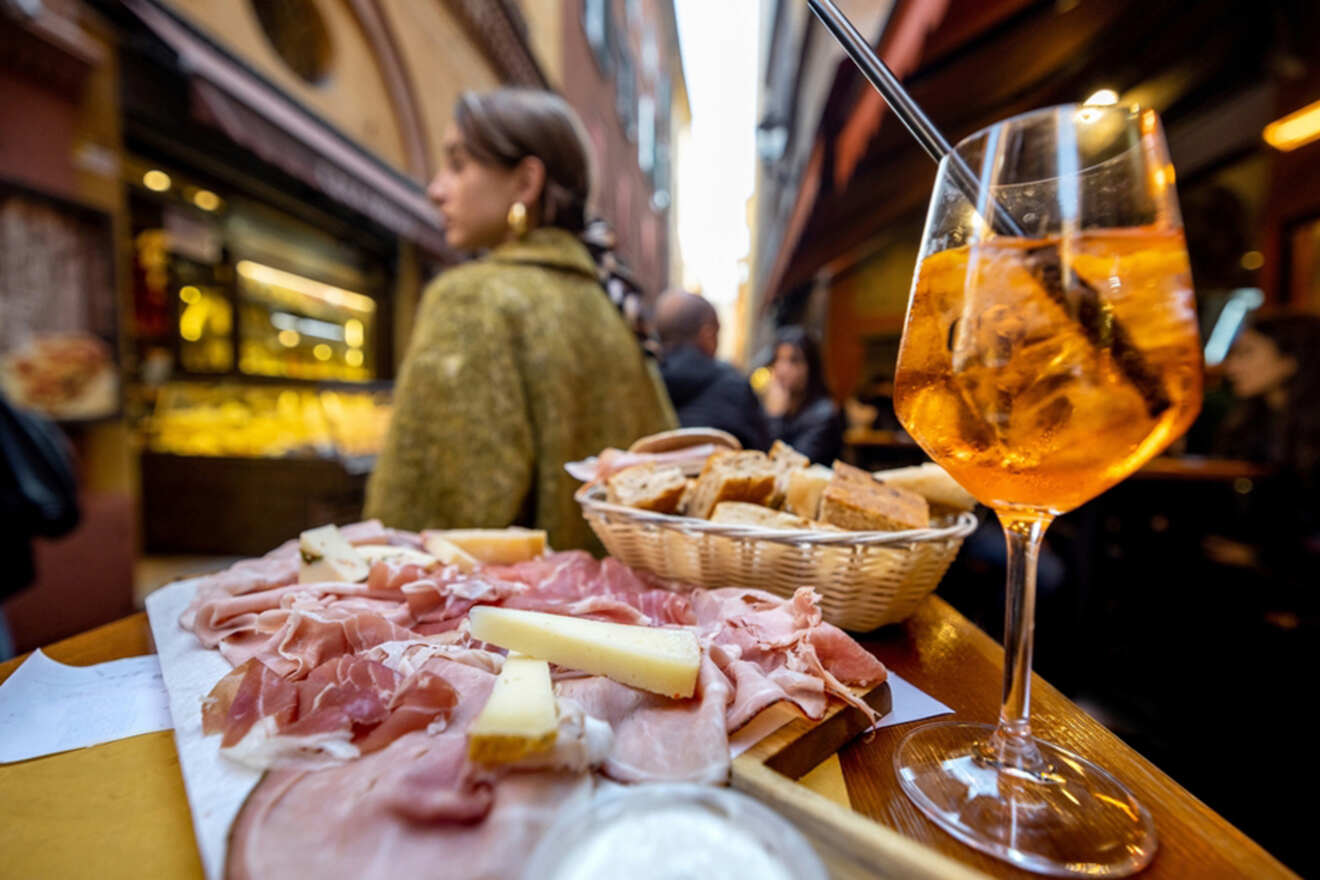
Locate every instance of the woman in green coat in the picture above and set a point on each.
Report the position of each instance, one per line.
(518, 362)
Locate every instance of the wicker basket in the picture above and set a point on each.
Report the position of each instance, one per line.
(865, 579)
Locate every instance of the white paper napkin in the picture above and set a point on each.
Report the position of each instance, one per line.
(47, 707)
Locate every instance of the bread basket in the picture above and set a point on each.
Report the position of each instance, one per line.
(864, 579)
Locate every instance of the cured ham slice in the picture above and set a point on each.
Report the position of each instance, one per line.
(775, 649)
(345, 707)
(575, 583)
(279, 567)
(311, 635)
(413, 809)
(658, 739)
(247, 694)
(438, 604)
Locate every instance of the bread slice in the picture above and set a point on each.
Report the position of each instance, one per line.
(743, 514)
(933, 483)
(845, 471)
(685, 502)
(732, 476)
(786, 460)
(802, 495)
(862, 504)
(648, 487)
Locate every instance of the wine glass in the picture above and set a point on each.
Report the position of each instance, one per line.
(1050, 349)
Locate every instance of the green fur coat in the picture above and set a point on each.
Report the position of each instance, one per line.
(518, 363)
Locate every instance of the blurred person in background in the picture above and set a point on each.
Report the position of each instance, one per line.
(799, 406)
(38, 498)
(1274, 371)
(706, 392)
(519, 361)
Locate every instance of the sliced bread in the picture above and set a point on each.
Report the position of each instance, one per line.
(648, 487)
(744, 514)
(802, 495)
(732, 476)
(853, 500)
(786, 461)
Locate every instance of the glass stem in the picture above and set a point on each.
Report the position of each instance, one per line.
(1011, 743)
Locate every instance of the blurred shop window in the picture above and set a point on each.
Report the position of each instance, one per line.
(267, 421)
(58, 317)
(1304, 265)
(296, 327)
(298, 34)
(206, 328)
(646, 135)
(625, 91)
(660, 170)
(598, 25)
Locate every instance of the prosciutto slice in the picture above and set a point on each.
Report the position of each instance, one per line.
(415, 808)
(346, 707)
(657, 739)
(775, 649)
(279, 567)
(575, 583)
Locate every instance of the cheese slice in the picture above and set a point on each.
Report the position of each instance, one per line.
(449, 553)
(327, 556)
(661, 660)
(374, 553)
(495, 546)
(519, 718)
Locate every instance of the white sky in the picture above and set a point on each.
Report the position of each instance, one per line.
(716, 172)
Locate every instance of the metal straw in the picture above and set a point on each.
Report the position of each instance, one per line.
(907, 110)
(1043, 262)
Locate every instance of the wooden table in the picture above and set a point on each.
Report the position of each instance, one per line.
(119, 809)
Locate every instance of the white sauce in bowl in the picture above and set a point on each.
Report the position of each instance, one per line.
(667, 844)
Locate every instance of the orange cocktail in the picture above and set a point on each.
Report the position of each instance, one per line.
(1001, 384)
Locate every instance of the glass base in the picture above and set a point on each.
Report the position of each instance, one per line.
(1033, 804)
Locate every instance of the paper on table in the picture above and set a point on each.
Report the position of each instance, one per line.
(909, 704)
(48, 707)
(216, 787)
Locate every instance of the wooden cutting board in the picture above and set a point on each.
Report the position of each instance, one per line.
(851, 845)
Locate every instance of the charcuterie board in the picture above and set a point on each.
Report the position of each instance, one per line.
(783, 747)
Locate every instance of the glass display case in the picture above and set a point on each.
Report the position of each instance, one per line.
(291, 326)
(266, 421)
(226, 286)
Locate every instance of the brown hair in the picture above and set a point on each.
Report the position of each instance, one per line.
(504, 126)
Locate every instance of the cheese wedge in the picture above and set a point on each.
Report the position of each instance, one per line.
(374, 553)
(663, 661)
(519, 718)
(327, 556)
(495, 546)
(448, 553)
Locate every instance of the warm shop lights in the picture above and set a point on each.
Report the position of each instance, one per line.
(336, 296)
(156, 180)
(1294, 130)
(206, 200)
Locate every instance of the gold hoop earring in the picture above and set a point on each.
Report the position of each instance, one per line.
(517, 219)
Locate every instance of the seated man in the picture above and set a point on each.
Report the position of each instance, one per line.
(705, 392)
